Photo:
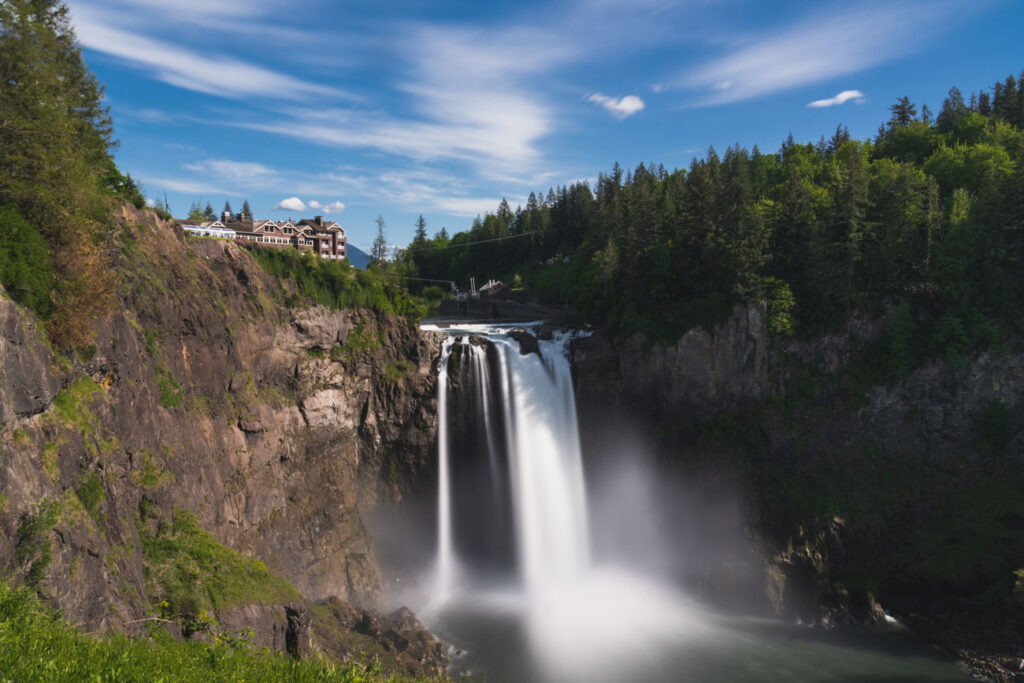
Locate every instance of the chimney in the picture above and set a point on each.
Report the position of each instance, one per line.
(319, 220)
(225, 217)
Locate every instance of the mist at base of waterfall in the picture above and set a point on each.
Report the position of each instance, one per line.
(613, 626)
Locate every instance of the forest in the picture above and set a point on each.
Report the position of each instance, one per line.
(58, 181)
(926, 219)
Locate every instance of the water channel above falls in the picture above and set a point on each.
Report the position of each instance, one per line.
(517, 590)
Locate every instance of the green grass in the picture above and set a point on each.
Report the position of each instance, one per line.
(91, 494)
(34, 541)
(36, 646)
(168, 388)
(358, 342)
(396, 372)
(186, 567)
(72, 404)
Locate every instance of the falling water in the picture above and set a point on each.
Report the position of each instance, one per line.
(516, 578)
(445, 551)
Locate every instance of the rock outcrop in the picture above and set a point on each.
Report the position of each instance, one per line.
(860, 489)
(280, 429)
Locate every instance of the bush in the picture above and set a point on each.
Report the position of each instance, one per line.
(337, 285)
(26, 271)
(186, 567)
(36, 645)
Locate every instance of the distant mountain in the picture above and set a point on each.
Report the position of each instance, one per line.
(357, 257)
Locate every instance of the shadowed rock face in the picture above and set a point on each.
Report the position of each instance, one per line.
(278, 428)
(854, 494)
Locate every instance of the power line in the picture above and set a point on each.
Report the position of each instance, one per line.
(474, 243)
(421, 279)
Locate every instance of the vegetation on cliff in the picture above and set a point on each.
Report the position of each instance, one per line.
(56, 173)
(930, 212)
(35, 644)
(337, 285)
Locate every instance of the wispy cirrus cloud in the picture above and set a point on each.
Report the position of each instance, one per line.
(619, 107)
(816, 48)
(201, 70)
(469, 99)
(842, 98)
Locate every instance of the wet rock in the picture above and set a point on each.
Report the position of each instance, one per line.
(527, 342)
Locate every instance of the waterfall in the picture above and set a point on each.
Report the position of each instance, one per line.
(530, 453)
(445, 550)
(512, 504)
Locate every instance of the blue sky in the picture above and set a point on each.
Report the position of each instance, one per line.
(360, 108)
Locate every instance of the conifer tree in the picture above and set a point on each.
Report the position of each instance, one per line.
(380, 246)
(420, 236)
(55, 137)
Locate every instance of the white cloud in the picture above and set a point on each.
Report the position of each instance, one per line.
(150, 202)
(621, 107)
(817, 48)
(841, 98)
(333, 207)
(244, 173)
(291, 204)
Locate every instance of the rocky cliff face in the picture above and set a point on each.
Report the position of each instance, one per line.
(857, 487)
(279, 429)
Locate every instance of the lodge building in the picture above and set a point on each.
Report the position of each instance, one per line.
(325, 238)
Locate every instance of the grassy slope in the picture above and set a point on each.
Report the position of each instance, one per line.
(35, 645)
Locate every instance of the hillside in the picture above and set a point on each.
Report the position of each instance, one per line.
(214, 451)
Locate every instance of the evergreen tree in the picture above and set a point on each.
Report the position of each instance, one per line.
(55, 137)
(246, 211)
(903, 113)
(208, 213)
(380, 246)
(953, 109)
(420, 236)
(227, 209)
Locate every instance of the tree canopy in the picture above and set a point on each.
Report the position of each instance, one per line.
(55, 170)
(929, 213)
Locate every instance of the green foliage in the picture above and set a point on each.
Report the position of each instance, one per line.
(72, 404)
(54, 166)
(169, 394)
(337, 285)
(780, 307)
(396, 372)
(169, 389)
(26, 270)
(123, 186)
(186, 567)
(34, 541)
(91, 493)
(930, 213)
(358, 342)
(36, 645)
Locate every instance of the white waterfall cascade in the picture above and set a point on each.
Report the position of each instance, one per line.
(445, 549)
(578, 616)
